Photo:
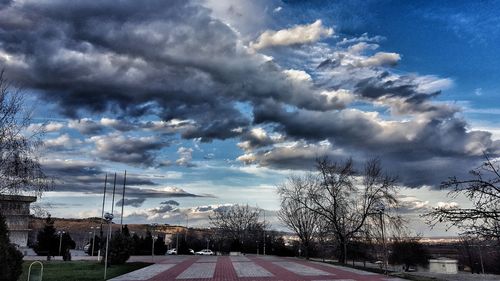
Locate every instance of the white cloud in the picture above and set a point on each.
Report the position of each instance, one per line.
(379, 59)
(299, 34)
(430, 83)
(185, 157)
(447, 205)
(62, 141)
(341, 97)
(48, 127)
(361, 47)
(363, 38)
(298, 75)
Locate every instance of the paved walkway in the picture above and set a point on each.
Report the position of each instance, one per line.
(245, 268)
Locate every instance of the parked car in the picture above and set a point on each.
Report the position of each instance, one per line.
(191, 251)
(87, 249)
(206, 252)
(172, 251)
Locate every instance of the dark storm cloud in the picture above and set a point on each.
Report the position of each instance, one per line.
(162, 209)
(441, 144)
(139, 151)
(170, 202)
(163, 193)
(176, 61)
(89, 177)
(86, 126)
(405, 88)
(134, 202)
(173, 60)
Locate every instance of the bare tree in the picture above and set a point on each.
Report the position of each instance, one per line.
(303, 221)
(349, 200)
(483, 190)
(238, 223)
(20, 169)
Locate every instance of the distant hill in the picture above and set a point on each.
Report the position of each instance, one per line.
(81, 231)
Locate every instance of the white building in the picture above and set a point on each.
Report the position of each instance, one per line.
(443, 265)
(16, 209)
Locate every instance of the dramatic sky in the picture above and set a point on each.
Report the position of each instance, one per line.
(208, 103)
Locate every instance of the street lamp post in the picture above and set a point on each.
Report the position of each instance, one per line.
(177, 243)
(187, 226)
(380, 208)
(109, 218)
(93, 238)
(153, 226)
(264, 250)
(60, 240)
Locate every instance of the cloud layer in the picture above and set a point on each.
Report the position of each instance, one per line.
(203, 80)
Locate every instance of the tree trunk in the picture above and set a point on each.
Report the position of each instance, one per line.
(306, 246)
(343, 251)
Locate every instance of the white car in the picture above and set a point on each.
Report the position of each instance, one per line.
(172, 251)
(206, 252)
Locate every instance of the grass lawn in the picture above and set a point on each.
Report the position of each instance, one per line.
(78, 270)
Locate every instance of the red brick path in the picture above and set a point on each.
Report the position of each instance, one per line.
(224, 270)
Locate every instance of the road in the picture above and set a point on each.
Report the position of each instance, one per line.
(247, 268)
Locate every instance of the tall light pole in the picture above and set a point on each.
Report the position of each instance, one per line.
(109, 218)
(60, 240)
(153, 226)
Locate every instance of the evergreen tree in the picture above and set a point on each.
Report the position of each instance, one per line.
(125, 231)
(147, 244)
(120, 248)
(66, 244)
(47, 239)
(136, 244)
(160, 247)
(11, 259)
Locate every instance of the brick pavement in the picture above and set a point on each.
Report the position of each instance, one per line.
(246, 268)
